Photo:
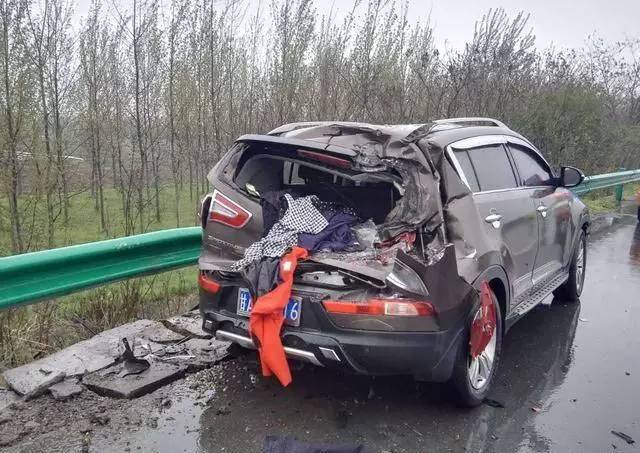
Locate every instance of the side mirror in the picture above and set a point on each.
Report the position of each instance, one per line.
(570, 177)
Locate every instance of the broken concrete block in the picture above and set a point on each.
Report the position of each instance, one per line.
(36, 382)
(158, 333)
(107, 382)
(189, 324)
(83, 357)
(66, 389)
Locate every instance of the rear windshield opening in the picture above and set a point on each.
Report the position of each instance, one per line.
(371, 196)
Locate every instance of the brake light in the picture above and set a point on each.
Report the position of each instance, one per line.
(381, 307)
(327, 159)
(207, 284)
(227, 212)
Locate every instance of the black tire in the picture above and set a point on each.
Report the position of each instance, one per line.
(571, 290)
(463, 392)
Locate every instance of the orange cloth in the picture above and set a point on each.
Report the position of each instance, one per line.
(267, 317)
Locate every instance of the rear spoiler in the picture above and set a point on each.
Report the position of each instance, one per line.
(305, 144)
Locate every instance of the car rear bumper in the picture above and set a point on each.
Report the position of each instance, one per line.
(427, 356)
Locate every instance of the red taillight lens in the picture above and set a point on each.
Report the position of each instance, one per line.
(207, 284)
(227, 212)
(381, 307)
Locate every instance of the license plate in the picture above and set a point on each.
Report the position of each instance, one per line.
(292, 311)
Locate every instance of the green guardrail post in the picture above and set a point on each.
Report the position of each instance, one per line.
(619, 191)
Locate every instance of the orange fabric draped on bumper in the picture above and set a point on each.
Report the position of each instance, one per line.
(267, 317)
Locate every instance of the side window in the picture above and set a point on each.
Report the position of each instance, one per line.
(532, 171)
(465, 163)
(492, 168)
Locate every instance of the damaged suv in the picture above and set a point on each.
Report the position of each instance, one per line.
(457, 229)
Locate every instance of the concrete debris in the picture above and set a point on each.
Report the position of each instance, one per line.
(189, 324)
(160, 334)
(66, 389)
(107, 382)
(84, 357)
(171, 351)
(7, 399)
(34, 383)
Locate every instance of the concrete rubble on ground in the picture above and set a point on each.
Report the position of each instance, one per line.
(173, 347)
(66, 389)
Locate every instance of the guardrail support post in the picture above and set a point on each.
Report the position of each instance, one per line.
(619, 191)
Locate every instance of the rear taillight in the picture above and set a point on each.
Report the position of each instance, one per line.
(381, 307)
(227, 212)
(207, 284)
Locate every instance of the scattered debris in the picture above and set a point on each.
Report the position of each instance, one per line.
(99, 419)
(493, 403)
(86, 356)
(131, 364)
(628, 439)
(107, 382)
(158, 333)
(152, 422)
(66, 389)
(188, 325)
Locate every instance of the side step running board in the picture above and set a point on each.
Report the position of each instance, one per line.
(248, 343)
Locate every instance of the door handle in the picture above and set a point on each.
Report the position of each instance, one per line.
(494, 219)
(542, 210)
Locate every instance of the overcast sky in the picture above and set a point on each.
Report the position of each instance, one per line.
(564, 23)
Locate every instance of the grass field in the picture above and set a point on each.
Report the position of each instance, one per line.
(604, 200)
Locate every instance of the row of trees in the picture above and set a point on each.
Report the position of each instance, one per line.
(150, 95)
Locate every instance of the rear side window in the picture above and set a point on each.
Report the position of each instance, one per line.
(492, 168)
(532, 171)
(465, 164)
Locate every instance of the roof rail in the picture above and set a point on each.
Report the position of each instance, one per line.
(471, 119)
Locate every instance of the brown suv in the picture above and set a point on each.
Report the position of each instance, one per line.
(464, 228)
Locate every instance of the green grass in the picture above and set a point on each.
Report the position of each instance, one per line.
(602, 201)
(84, 220)
(30, 332)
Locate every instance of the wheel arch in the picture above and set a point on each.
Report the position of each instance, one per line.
(499, 284)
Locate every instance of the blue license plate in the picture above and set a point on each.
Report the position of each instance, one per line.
(292, 311)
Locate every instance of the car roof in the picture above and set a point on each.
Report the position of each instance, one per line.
(439, 133)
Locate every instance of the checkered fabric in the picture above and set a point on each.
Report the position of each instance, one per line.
(301, 216)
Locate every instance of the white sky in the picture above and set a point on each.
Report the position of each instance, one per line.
(563, 23)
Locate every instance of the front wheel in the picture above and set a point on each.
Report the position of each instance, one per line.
(472, 376)
(572, 288)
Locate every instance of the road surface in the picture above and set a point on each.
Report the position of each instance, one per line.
(569, 376)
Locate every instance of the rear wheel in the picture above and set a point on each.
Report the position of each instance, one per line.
(572, 288)
(472, 376)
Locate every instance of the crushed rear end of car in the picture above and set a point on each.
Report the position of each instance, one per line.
(394, 303)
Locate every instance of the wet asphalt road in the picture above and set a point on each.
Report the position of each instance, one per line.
(569, 375)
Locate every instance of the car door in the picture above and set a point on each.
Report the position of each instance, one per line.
(510, 225)
(553, 210)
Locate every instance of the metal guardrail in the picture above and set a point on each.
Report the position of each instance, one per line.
(596, 182)
(32, 277)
